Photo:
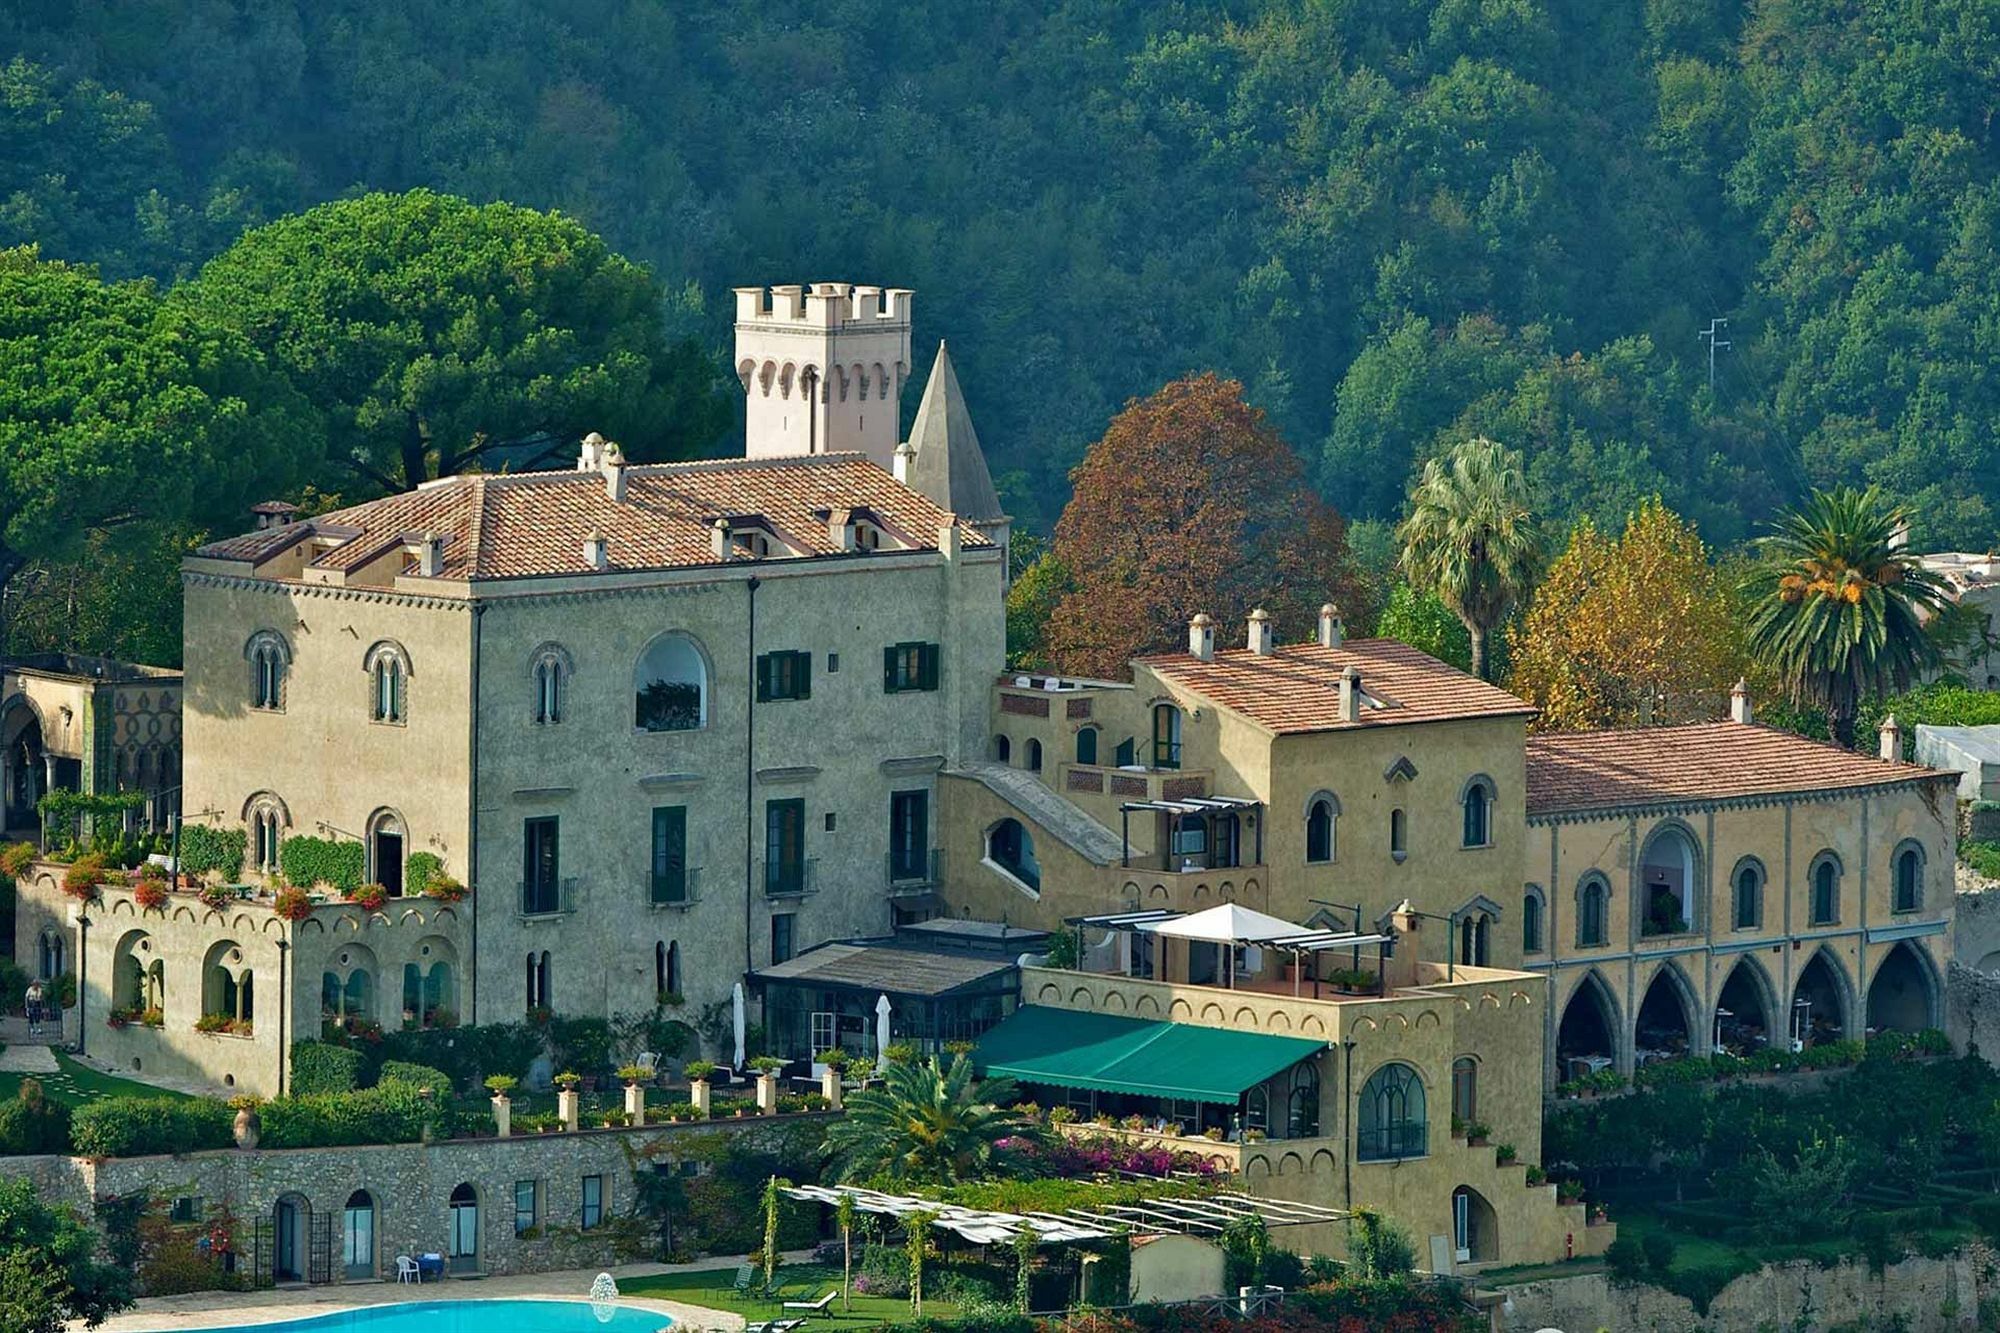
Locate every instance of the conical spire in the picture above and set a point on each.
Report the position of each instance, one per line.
(949, 466)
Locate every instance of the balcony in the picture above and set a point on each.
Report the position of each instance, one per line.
(1131, 783)
(546, 899)
(920, 874)
(789, 878)
(669, 891)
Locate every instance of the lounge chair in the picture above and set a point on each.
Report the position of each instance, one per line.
(813, 1307)
(743, 1276)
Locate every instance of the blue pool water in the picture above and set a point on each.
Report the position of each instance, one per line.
(473, 1317)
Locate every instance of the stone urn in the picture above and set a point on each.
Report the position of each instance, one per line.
(249, 1126)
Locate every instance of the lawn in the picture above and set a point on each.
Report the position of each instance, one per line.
(715, 1288)
(77, 1084)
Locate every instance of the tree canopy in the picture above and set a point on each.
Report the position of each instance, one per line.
(437, 335)
(1190, 503)
(49, 1270)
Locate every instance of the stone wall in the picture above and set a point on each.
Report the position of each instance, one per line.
(1917, 1295)
(409, 1187)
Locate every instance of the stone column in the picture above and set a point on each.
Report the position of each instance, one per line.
(829, 1086)
(635, 1103)
(568, 1106)
(503, 1116)
(698, 1094)
(767, 1093)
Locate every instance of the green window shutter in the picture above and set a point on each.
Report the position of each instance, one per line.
(889, 669)
(928, 666)
(805, 678)
(764, 679)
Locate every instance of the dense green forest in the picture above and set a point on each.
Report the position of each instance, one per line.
(1396, 221)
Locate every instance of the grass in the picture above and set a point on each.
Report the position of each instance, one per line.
(77, 1084)
(715, 1288)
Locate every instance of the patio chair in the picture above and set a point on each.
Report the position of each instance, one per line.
(407, 1270)
(648, 1061)
(744, 1273)
(813, 1307)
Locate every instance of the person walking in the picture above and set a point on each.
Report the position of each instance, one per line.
(34, 1008)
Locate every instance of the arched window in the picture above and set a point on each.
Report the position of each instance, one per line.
(548, 676)
(1825, 882)
(667, 970)
(538, 982)
(1322, 817)
(1477, 805)
(1086, 746)
(270, 658)
(1009, 847)
(1399, 834)
(268, 820)
(1034, 755)
(388, 668)
(1746, 888)
(1531, 921)
(228, 992)
(1166, 736)
(1003, 749)
(670, 685)
(1302, 1109)
(1464, 1093)
(1592, 901)
(1909, 877)
(1474, 939)
(1392, 1116)
(1257, 1108)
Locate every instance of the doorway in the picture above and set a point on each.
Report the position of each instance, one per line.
(357, 1245)
(388, 852)
(464, 1230)
(289, 1219)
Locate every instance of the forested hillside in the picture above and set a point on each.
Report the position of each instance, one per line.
(1396, 221)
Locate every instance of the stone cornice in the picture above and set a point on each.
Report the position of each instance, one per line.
(1763, 800)
(331, 592)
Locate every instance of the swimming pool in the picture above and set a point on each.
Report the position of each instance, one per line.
(472, 1317)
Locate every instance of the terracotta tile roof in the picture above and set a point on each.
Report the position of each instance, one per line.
(1570, 772)
(531, 524)
(1296, 688)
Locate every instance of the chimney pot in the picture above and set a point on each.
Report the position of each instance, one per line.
(596, 551)
(590, 455)
(1201, 637)
(1890, 734)
(1259, 636)
(1739, 702)
(1350, 695)
(1332, 633)
(901, 460)
(948, 537)
(718, 539)
(430, 555)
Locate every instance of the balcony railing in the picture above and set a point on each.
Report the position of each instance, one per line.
(667, 891)
(547, 898)
(790, 879)
(915, 874)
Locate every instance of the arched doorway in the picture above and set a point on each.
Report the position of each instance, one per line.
(464, 1229)
(24, 767)
(385, 851)
(1585, 1040)
(291, 1221)
(357, 1236)
(1819, 1008)
(1666, 883)
(1903, 995)
(1475, 1230)
(1743, 1011)
(1665, 1027)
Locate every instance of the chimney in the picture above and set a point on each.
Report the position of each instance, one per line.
(596, 551)
(1739, 702)
(430, 555)
(1350, 695)
(273, 513)
(1259, 637)
(1331, 632)
(590, 455)
(948, 536)
(1890, 733)
(900, 462)
(718, 539)
(1201, 637)
(1399, 968)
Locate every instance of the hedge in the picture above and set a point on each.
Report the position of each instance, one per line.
(389, 1113)
(144, 1126)
(319, 1067)
(419, 869)
(416, 1075)
(204, 849)
(307, 861)
(33, 1123)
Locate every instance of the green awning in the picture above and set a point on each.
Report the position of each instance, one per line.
(1105, 1053)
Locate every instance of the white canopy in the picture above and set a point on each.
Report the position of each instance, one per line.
(1226, 924)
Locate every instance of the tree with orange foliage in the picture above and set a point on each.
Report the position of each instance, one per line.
(1191, 502)
(1628, 629)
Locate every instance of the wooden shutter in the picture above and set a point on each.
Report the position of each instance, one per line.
(927, 666)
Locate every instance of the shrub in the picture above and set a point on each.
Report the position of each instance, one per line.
(32, 1123)
(582, 1044)
(391, 1112)
(293, 904)
(215, 895)
(330, 861)
(1627, 1259)
(1658, 1247)
(699, 1069)
(369, 897)
(444, 889)
(767, 1064)
(416, 1076)
(501, 1084)
(16, 857)
(143, 1126)
(84, 878)
(420, 869)
(13, 986)
(150, 893)
(204, 849)
(319, 1068)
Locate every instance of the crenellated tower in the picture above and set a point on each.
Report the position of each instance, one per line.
(823, 368)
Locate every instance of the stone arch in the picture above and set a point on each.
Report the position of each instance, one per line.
(1667, 897)
(1246, 1017)
(1747, 881)
(1010, 849)
(550, 670)
(1180, 1009)
(1257, 1168)
(1824, 878)
(387, 846)
(430, 983)
(1322, 1160)
(1589, 1028)
(1212, 1010)
(1475, 1227)
(670, 683)
(1280, 1021)
(1909, 872)
(1291, 1164)
(1050, 991)
(1829, 1009)
(1668, 1020)
(138, 973)
(1476, 799)
(228, 983)
(1905, 994)
(1747, 1014)
(1427, 1018)
(1147, 1005)
(1312, 1023)
(1114, 1001)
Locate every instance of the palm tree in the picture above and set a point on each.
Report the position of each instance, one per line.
(928, 1124)
(1469, 536)
(1839, 608)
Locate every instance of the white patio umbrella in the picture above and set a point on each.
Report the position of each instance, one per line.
(737, 1022)
(1228, 924)
(882, 1011)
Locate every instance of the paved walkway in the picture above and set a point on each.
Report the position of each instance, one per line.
(227, 1309)
(27, 1053)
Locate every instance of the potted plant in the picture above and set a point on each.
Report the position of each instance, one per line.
(292, 904)
(1213, 1134)
(248, 1125)
(1134, 1122)
(568, 1104)
(1537, 1176)
(216, 896)
(212, 1023)
(444, 889)
(150, 892)
(153, 1016)
(767, 1067)
(698, 1072)
(84, 878)
(1062, 1115)
(1477, 1133)
(369, 897)
(500, 1085)
(1505, 1155)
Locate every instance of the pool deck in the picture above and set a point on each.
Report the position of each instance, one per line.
(228, 1309)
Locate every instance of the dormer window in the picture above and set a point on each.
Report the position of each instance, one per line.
(749, 543)
(867, 537)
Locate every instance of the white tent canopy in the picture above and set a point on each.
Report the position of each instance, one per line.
(1187, 1215)
(1228, 923)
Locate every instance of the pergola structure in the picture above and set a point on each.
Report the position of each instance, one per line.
(1218, 825)
(1208, 1214)
(1231, 925)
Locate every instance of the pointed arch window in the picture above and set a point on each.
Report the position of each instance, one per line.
(1909, 895)
(548, 676)
(1322, 829)
(1392, 1121)
(1302, 1108)
(1592, 906)
(1531, 921)
(1746, 887)
(270, 658)
(1476, 805)
(388, 667)
(1824, 880)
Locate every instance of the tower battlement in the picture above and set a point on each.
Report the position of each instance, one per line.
(822, 367)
